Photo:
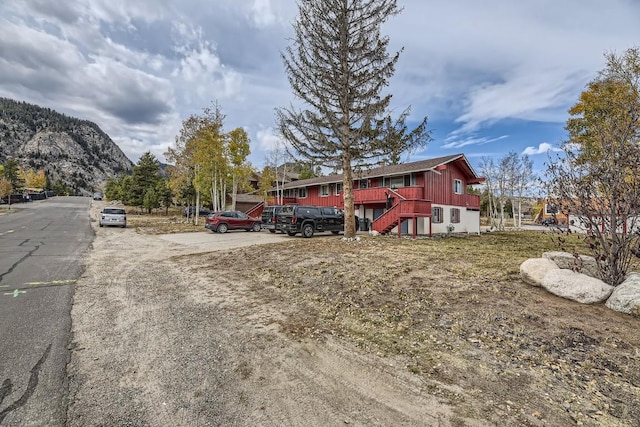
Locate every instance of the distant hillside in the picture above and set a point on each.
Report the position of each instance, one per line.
(76, 152)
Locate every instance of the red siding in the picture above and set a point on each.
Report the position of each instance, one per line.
(438, 189)
(439, 186)
(314, 198)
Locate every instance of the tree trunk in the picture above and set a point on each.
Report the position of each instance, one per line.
(347, 183)
(197, 207)
(234, 192)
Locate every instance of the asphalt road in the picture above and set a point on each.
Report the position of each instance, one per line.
(42, 245)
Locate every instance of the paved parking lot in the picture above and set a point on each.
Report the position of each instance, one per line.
(207, 240)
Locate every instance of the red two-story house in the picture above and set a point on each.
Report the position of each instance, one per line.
(425, 197)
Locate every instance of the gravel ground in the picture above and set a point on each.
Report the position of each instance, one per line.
(157, 343)
(175, 331)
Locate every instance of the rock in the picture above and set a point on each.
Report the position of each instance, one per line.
(625, 298)
(585, 264)
(576, 286)
(533, 270)
(374, 233)
(74, 151)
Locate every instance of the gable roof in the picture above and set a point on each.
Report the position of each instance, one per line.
(393, 170)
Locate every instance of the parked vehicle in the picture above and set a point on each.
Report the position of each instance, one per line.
(113, 216)
(308, 220)
(548, 221)
(97, 196)
(270, 218)
(231, 220)
(15, 198)
(190, 211)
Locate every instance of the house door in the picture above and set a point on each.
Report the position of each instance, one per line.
(377, 213)
(404, 227)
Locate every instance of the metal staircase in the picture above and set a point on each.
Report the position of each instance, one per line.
(256, 211)
(388, 220)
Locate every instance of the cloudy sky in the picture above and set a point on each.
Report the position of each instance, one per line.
(492, 76)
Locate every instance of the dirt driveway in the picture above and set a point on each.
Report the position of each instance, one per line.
(322, 332)
(155, 344)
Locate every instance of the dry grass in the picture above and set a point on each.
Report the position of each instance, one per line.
(458, 315)
(161, 222)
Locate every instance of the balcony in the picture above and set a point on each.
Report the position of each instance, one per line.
(473, 201)
(411, 208)
(379, 194)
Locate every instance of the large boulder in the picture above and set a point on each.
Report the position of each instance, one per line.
(533, 270)
(576, 286)
(626, 296)
(585, 264)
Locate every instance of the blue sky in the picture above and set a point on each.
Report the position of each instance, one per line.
(492, 76)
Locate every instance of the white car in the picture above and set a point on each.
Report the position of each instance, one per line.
(113, 216)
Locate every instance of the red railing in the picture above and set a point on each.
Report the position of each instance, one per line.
(473, 201)
(379, 194)
(256, 210)
(411, 208)
(415, 207)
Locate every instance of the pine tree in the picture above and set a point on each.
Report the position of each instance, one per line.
(338, 67)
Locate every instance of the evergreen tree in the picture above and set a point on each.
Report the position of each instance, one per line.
(151, 200)
(338, 66)
(145, 177)
(11, 173)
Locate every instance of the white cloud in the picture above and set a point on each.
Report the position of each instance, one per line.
(544, 147)
(262, 13)
(139, 68)
(453, 142)
(269, 139)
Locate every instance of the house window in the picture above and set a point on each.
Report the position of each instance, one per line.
(363, 183)
(436, 215)
(324, 190)
(397, 181)
(455, 215)
(551, 208)
(302, 193)
(338, 188)
(290, 193)
(457, 186)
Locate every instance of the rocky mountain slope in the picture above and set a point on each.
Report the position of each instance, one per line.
(73, 151)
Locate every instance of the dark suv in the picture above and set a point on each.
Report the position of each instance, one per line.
(270, 218)
(310, 219)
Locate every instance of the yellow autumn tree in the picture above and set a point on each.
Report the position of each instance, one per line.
(5, 188)
(597, 178)
(32, 179)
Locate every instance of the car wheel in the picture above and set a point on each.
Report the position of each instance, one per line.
(222, 228)
(101, 225)
(307, 230)
(272, 231)
(256, 227)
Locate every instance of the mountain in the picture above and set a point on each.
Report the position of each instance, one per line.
(73, 151)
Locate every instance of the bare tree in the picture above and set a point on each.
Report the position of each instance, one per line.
(524, 178)
(278, 159)
(597, 180)
(338, 66)
(488, 170)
